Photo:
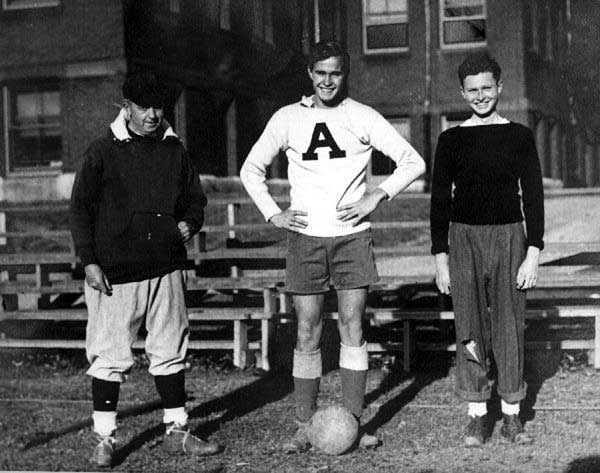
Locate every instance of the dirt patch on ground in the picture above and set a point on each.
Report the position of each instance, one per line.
(45, 423)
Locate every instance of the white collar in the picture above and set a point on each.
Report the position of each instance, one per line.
(309, 101)
(498, 121)
(119, 128)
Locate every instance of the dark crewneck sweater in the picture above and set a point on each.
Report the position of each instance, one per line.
(486, 164)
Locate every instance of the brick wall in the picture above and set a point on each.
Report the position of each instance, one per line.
(88, 108)
(77, 30)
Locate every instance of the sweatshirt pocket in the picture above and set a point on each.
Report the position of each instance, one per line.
(153, 234)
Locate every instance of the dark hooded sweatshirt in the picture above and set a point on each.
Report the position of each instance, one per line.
(126, 201)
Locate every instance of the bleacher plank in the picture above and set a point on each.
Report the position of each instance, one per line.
(27, 277)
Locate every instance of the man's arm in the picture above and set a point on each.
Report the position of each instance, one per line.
(84, 195)
(441, 202)
(409, 164)
(533, 208)
(192, 203)
(254, 175)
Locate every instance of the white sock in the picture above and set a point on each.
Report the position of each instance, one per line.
(177, 415)
(477, 409)
(105, 422)
(510, 409)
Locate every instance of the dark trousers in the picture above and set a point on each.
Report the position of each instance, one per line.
(488, 308)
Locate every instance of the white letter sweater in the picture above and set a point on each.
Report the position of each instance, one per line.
(328, 151)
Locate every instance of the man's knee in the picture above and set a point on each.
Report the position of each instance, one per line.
(308, 336)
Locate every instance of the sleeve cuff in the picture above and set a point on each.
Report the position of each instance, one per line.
(87, 256)
(388, 189)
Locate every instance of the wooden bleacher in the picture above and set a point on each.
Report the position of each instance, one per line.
(31, 281)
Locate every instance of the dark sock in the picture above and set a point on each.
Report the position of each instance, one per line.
(354, 384)
(105, 394)
(305, 395)
(171, 389)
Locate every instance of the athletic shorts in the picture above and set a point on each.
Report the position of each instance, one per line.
(314, 264)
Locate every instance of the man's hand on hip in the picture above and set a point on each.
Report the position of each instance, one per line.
(355, 212)
(96, 279)
(290, 220)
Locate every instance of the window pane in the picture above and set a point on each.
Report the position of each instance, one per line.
(27, 107)
(453, 8)
(376, 7)
(468, 31)
(387, 36)
(397, 6)
(35, 135)
(20, 4)
(50, 104)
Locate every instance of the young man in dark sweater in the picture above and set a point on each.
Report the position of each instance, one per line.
(136, 200)
(483, 255)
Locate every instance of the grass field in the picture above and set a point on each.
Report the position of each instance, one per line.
(45, 424)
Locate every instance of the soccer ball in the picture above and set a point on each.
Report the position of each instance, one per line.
(333, 429)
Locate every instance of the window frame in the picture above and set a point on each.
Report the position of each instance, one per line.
(386, 19)
(465, 45)
(10, 91)
(29, 4)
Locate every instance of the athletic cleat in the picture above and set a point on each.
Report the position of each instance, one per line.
(299, 442)
(475, 433)
(366, 440)
(102, 455)
(178, 439)
(512, 430)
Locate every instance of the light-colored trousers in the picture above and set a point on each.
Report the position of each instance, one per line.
(114, 321)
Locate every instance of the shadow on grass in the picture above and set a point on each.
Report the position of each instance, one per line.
(584, 465)
(540, 365)
(263, 391)
(41, 438)
(428, 368)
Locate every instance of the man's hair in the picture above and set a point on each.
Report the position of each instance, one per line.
(476, 63)
(144, 89)
(325, 50)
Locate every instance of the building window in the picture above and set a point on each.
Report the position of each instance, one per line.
(381, 165)
(32, 129)
(462, 23)
(385, 26)
(263, 20)
(26, 4)
(225, 14)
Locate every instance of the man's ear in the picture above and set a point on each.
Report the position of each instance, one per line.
(126, 104)
(500, 84)
(462, 92)
(310, 72)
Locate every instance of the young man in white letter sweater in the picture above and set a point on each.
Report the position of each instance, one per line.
(328, 139)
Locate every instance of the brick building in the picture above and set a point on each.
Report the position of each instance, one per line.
(405, 54)
(231, 63)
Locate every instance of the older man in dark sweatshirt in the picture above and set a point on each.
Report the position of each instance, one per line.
(135, 202)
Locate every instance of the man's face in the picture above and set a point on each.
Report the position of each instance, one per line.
(327, 79)
(143, 120)
(481, 92)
